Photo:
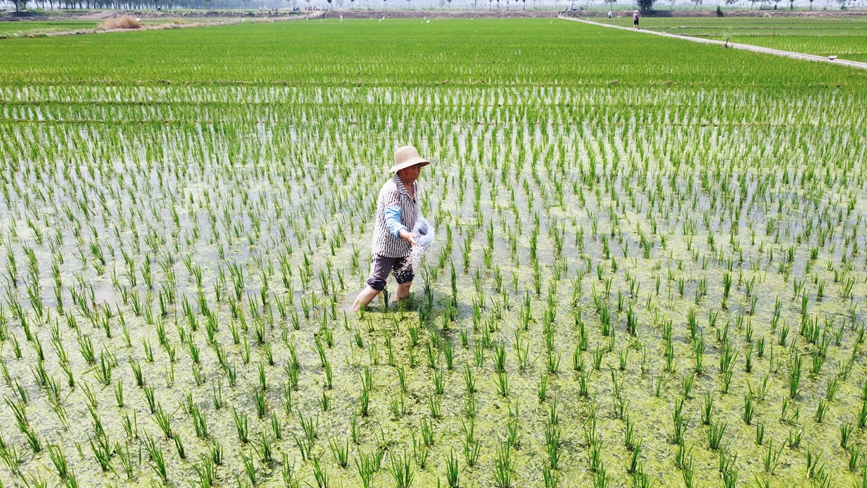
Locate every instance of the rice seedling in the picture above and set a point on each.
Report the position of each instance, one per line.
(250, 469)
(707, 409)
(542, 393)
(156, 456)
(163, 420)
(749, 409)
(854, 457)
(216, 452)
(728, 467)
(760, 433)
(688, 471)
(794, 439)
(126, 461)
(58, 459)
(846, 429)
(683, 456)
(12, 458)
(862, 415)
(679, 422)
(503, 467)
(715, 434)
(502, 384)
(206, 472)
(452, 472)
(821, 409)
(400, 468)
(366, 467)
(771, 458)
(242, 426)
(434, 406)
(795, 377)
(688, 381)
(364, 402)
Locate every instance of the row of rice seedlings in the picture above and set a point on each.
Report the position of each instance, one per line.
(148, 279)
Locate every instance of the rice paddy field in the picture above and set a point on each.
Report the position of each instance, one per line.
(824, 36)
(649, 268)
(22, 28)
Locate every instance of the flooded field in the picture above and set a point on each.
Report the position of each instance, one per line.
(843, 37)
(648, 271)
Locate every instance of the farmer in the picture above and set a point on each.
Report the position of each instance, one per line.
(635, 19)
(609, 14)
(396, 213)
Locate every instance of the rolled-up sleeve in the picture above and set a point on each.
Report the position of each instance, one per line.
(392, 220)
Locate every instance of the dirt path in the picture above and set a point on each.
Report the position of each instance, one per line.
(745, 47)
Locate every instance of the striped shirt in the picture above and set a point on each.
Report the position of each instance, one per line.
(395, 211)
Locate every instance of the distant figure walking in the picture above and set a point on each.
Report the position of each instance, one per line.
(609, 14)
(635, 19)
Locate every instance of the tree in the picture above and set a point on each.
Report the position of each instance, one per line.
(20, 5)
(645, 4)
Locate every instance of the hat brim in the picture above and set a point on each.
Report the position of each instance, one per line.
(409, 162)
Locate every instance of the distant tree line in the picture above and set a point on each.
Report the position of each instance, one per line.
(644, 5)
(21, 5)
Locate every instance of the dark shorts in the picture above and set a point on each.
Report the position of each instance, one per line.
(381, 266)
(634, 22)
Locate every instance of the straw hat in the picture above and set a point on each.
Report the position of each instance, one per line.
(405, 157)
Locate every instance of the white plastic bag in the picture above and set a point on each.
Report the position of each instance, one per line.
(425, 237)
(424, 230)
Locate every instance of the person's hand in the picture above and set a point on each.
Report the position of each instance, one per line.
(409, 237)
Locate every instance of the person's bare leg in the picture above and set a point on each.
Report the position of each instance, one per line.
(403, 290)
(364, 298)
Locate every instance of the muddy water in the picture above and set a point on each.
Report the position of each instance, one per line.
(294, 230)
